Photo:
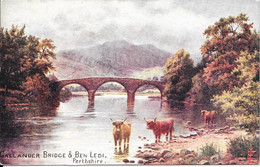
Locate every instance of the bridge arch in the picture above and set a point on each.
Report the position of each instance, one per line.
(64, 85)
(115, 81)
(64, 96)
(156, 86)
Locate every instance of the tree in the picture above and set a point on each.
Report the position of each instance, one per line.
(23, 56)
(225, 40)
(37, 89)
(155, 78)
(13, 44)
(247, 69)
(162, 79)
(178, 72)
(242, 103)
(200, 92)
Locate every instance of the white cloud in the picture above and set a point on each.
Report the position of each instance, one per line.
(167, 24)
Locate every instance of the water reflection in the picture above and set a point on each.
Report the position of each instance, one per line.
(119, 154)
(91, 108)
(74, 126)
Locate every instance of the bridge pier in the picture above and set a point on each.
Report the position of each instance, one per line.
(91, 97)
(130, 97)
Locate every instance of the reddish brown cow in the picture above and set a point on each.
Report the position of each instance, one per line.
(209, 117)
(161, 127)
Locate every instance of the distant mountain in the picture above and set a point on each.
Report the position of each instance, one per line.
(115, 59)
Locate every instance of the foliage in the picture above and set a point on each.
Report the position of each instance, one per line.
(230, 55)
(15, 96)
(200, 92)
(77, 88)
(37, 89)
(179, 72)
(208, 150)
(24, 58)
(65, 94)
(111, 86)
(225, 40)
(13, 45)
(242, 103)
(239, 146)
(247, 69)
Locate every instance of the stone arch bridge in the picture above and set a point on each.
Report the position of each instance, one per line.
(92, 84)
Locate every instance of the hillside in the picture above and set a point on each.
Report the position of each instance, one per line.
(115, 59)
(148, 73)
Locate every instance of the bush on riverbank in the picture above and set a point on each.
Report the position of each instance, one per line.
(239, 146)
(209, 149)
(65, 94)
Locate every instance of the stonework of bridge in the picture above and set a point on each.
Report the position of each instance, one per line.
(92, 84)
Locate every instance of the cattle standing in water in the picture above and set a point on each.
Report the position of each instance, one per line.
(161, 127)
(209, 117)
(121, 131)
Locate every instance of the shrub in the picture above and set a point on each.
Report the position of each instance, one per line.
(239, 146)
(65, 94)
(208, 150)
(250, 122)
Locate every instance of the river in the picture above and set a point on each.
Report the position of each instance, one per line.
(49, 137)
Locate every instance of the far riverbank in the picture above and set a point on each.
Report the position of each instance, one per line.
(103, 93)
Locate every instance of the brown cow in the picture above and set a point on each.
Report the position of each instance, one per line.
(161, 127)
(121, 131)
(209, 117)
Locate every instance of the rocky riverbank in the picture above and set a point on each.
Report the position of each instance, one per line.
(185, 150)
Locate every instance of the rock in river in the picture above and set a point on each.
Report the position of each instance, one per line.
(161, 160)
(132, 161)
(163, 152)
(184, 152)
(125, 160)
(168, 155)
(215, 158)
(189, 156)
(204, 162)
(140, 161)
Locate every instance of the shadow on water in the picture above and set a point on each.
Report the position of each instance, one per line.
(184, 113)
(13, 122)
(19, 126)
(89, 128)
(8, 128)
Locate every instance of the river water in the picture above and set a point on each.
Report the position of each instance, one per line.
(50, 137)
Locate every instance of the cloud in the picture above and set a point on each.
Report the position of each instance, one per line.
(167, 24)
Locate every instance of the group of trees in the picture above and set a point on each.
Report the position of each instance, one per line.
(227, 77)
(178, 71)
(24, 62)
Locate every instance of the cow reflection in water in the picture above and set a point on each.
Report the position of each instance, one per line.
(120, 152)
(121, 131)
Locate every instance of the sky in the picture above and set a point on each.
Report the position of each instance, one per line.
(167, 24)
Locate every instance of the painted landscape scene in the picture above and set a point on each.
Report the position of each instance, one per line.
(160, 82)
